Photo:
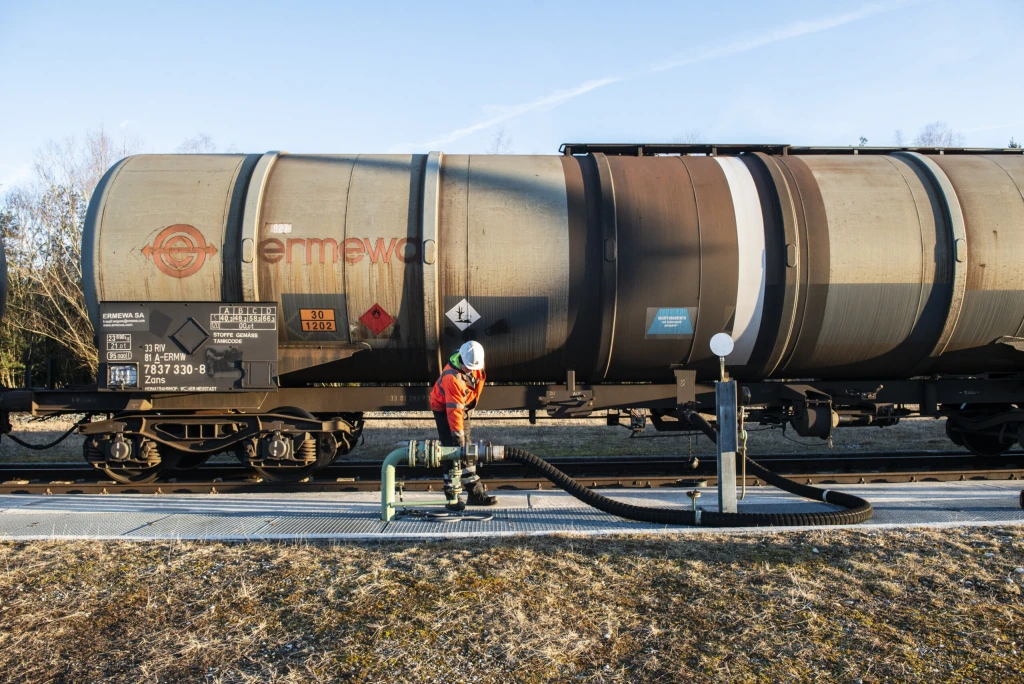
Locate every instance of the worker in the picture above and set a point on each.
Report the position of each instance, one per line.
(454, 396)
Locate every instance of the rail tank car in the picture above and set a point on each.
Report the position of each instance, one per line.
(260, 304)
(621, 268)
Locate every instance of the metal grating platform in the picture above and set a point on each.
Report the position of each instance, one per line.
(355, 515)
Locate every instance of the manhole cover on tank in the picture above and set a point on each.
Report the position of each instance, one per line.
(190, 336)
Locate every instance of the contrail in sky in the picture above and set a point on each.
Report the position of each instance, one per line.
(704, 54)
(553, 100)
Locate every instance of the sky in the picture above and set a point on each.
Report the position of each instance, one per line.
(389, 77)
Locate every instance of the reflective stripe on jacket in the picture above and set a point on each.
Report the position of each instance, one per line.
(454, 392)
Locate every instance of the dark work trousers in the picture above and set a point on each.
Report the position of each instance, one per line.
(444, 433)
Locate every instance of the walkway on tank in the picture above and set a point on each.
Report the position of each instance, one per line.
(356, 515)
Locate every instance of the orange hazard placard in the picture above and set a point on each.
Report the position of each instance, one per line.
(317, 320)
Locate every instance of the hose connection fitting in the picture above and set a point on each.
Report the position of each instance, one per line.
(430, 454)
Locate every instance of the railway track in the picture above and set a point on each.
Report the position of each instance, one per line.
(921, 466)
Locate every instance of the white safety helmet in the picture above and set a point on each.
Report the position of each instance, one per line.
(472, 355)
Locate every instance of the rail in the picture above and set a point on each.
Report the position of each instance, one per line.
(862, 468)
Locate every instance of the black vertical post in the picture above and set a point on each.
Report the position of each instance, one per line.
(725, 399)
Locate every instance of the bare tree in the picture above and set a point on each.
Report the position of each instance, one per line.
(200, 143)
(690, 137)
(1013, 144)
(862, 141)
(12, 341)
(898, 139)
(501, 143)
(939, 134)
(43, 233)
(80, 165)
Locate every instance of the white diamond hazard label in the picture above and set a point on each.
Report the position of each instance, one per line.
(463, 315)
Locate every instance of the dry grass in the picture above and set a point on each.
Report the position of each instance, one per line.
(588, 437)
(867, 606)
(824, 606)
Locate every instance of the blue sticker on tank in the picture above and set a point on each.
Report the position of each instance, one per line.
(674, 321)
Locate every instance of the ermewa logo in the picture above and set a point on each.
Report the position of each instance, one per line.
(327, 250)
(179, 250)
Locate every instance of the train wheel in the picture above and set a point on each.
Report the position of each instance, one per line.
(347, 441)
(308, 455)
(955, 436)
(287, 472)
(986, 446)
(129, 460)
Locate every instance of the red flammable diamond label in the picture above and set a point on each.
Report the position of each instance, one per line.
(376, 319)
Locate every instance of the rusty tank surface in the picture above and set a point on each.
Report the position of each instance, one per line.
(619, 266)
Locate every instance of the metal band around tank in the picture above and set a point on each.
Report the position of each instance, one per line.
(815, 271)
(719, 265)
(91, 242)
(792, 262)
(999, 162)
(609, 271)
(957, 245)
(582, 191)
(251, 226)
(431, 209)
(751, 252)
(773, 239)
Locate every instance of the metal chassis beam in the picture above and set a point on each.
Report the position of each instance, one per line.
(930, 394)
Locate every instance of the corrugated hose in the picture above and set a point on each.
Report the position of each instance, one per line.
(857, 509)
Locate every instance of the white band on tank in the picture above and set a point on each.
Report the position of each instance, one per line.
(431, 245)
(251, 226)
(750, 241)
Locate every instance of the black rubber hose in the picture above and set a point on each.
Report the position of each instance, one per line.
(857, 509)
(49, 445)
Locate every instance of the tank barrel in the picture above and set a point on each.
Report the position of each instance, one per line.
(618, 262)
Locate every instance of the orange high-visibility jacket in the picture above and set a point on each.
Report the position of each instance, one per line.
(454, 392)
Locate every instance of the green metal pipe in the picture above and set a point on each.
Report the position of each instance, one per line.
(429, 454)
(387, 482)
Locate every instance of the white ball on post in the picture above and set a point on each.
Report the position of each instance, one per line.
(721, 346)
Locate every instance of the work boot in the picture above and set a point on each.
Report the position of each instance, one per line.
(459, 505)
(478, 496)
